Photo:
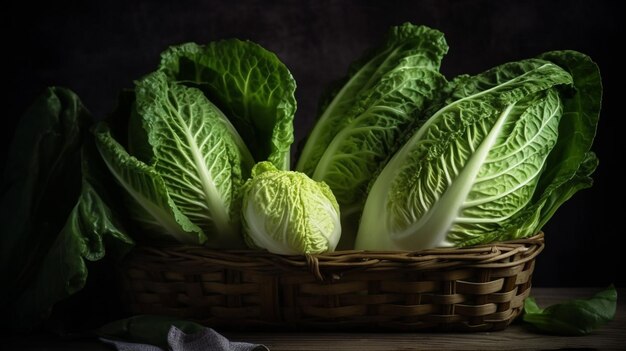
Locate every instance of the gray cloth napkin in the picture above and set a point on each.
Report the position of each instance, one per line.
(206, 339)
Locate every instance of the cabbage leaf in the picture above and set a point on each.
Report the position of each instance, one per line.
(384, 96)
(197, 164)
(572, 317)
(253, 88)
(149, 202)
(58, 212)
(202, 159)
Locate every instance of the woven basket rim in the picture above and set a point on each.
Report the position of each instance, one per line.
(493, 255)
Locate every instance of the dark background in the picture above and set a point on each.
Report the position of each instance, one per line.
(97, 48)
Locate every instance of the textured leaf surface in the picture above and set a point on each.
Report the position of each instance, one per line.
(151, 205)
(473, 166)
(253, 88)
(197, 152)
(407, 46)
(288, 213)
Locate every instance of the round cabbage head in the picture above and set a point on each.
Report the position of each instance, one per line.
(289, 213)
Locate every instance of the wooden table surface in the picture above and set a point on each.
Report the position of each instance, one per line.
(610, 337)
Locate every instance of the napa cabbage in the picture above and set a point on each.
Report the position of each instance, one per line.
(506, 149)
(176, 144)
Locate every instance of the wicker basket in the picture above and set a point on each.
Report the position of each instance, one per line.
(464, 289)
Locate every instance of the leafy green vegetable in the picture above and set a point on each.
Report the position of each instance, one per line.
(574, 317)
(199, 154)
(53, 222)
(91, 230)
(249, 84)
(151, 204)
(288, 213)
(571, 163)
(385, 94)
(429, 162)
(175, 144)
(474, 172)
(198, 162)
(45, 152)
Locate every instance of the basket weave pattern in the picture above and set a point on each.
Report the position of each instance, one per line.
(463, 289)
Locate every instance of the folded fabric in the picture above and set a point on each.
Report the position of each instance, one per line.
(205, 339)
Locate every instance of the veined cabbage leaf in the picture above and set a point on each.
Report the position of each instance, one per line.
(493, 163)
(571, 162)
(253, 88)
(147, 197)
(199, 154)
(197, 164)
(383, 97)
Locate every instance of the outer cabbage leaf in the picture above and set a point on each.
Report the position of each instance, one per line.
(406, 46)
(151, 204)
(44, 155)
(249, 84)
(371, 131)
(53, 223)
(91, 230)
(572, 317)
(198, 154)
(473, 166)
(571, 163)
